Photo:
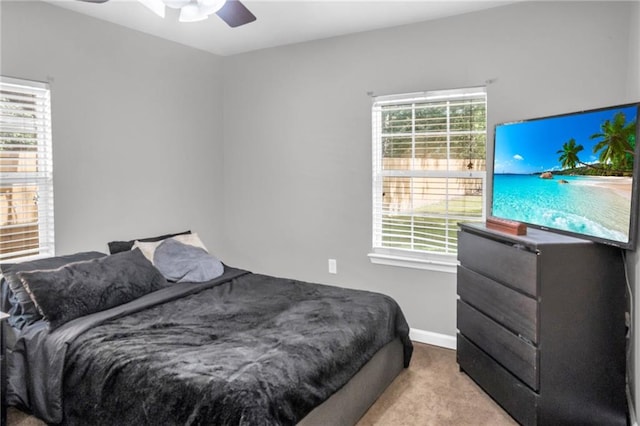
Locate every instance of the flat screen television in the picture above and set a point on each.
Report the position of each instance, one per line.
(575, 174)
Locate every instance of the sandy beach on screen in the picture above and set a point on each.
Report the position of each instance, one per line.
(620, 185)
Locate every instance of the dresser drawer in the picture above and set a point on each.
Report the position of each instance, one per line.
(513, 395)
(515, 354)
(512, 309)
(504, 263)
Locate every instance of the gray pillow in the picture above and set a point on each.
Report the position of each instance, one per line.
(185, 263)
(23, 311)
(83, 288)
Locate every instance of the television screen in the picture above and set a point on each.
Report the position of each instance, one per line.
(573, 173)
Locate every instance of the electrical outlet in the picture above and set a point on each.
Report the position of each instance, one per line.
(333, 266)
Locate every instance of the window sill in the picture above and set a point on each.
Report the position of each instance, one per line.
(439, 263)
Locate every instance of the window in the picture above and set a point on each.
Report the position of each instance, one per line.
(429, 152)
(26, 182)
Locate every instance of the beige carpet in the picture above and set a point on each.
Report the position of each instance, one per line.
(431, 392)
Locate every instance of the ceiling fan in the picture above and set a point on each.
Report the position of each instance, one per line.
(232, 12)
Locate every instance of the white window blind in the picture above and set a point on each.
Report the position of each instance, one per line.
(26, 170)
(429, 152)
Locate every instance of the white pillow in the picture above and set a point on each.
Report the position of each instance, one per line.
(149, 249)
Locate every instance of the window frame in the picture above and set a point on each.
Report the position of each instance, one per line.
(393, 256)
(42, 178)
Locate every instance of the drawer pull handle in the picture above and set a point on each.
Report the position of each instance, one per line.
(524, 339)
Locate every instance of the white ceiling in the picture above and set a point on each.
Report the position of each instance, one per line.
(278, 23)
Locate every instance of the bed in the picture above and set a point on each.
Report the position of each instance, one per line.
(242, 348)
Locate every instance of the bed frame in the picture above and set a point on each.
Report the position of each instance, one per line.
(348, 405)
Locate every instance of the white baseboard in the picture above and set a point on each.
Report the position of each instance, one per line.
(633, 421)
(431, 338)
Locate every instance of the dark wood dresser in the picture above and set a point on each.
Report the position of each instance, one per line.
(541, 325)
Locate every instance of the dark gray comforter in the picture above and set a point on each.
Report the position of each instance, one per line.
(242, 349)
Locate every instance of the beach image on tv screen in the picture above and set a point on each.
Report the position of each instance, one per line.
(572, 173)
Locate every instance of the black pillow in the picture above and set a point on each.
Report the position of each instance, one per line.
(23, 311)
(118, 246)
(82, 288)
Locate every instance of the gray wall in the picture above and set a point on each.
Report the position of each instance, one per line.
(297, 139)
(137, 126)
(633, 258)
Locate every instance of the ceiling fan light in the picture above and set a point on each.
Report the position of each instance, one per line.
(192, 13)
(176, 4)
(211, 6)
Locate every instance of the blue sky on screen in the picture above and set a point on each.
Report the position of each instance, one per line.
(531, 146)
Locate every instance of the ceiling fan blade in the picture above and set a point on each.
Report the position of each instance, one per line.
(235, 14)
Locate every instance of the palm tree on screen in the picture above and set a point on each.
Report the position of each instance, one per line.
(569, 154)
(615, 145)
